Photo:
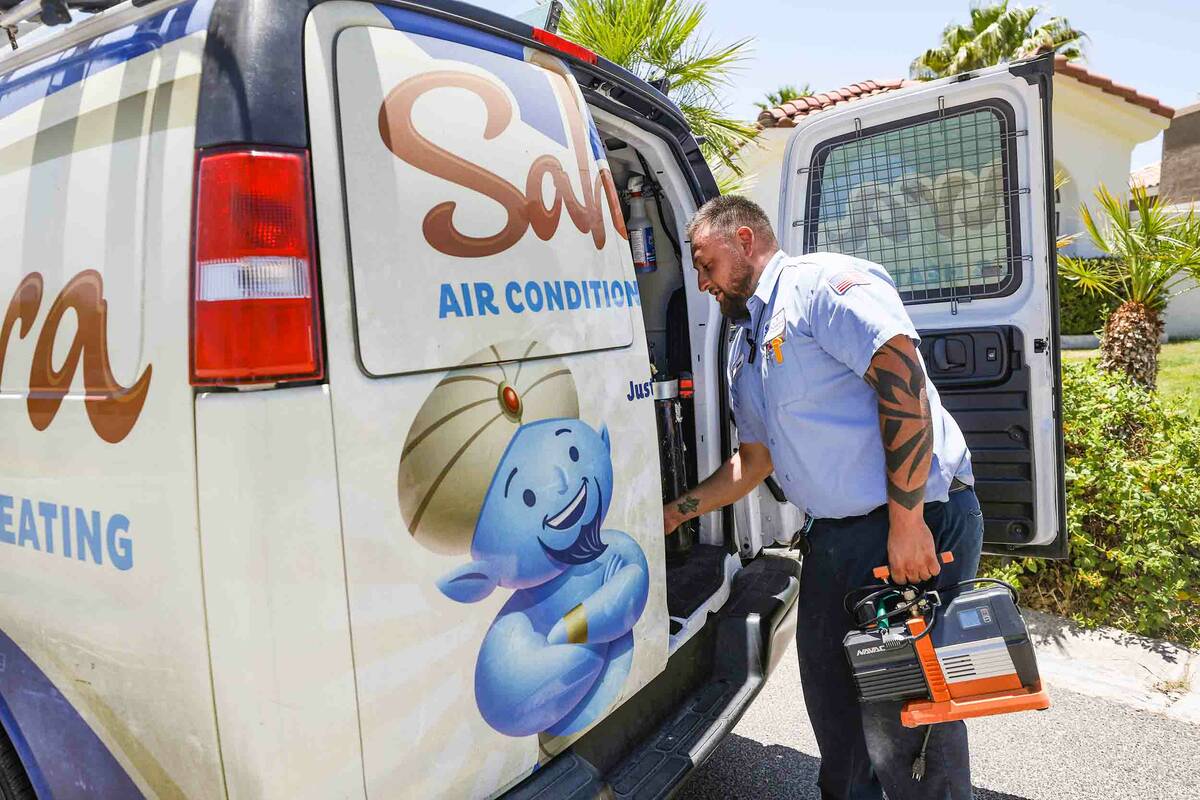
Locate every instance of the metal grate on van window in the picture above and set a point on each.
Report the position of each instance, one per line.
(933, 200)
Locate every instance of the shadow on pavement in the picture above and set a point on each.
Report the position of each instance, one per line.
(1047, 629)
(744, 768)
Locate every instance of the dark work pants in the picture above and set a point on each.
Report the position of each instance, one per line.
(864, 748)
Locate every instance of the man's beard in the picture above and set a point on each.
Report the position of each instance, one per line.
(734, 308)
(733, 300)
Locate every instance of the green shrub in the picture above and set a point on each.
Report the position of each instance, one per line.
(1133, 513)
(1078, 312)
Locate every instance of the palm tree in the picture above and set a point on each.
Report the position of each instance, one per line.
(782, 95)
(995, 35)
(1153, 251)
(660, 40)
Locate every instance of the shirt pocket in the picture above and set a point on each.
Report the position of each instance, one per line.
(788, 379)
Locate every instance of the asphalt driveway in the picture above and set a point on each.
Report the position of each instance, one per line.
(1083, 747)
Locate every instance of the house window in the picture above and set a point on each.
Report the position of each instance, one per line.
(931, 199)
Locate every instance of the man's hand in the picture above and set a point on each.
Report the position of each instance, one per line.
(734, 479)
(912, 557)
(671, 519)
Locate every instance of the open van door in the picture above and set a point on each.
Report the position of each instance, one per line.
(949, 186)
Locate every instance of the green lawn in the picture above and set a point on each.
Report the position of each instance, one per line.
(1178, 370)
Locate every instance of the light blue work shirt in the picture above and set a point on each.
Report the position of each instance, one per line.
(796, 382)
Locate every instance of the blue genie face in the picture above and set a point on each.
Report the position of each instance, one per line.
(544, 508)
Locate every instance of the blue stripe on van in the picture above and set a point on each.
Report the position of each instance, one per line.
(415, 22)
(24, 752)
(62, 755)
(42, 78)
(503, 58)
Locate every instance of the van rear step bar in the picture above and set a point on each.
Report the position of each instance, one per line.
(752, 630)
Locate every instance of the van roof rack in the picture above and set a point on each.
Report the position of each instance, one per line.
(18, 17)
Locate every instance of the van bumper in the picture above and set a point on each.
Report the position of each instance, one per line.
(749, 636)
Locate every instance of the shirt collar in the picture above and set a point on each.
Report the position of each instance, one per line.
(765, 288)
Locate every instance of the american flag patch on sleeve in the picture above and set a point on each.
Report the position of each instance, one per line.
(842, 282)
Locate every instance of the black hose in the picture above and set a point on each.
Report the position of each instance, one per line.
(1012, 590)
(656, 192)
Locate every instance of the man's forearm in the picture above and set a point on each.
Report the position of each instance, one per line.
(733, 480)
(904, 423)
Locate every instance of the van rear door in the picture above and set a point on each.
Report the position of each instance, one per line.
(477, 284)
(949, 186)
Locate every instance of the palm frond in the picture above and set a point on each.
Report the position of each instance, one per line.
(729, 182)
(1093, 276)
(1154, 250)
(662, 39)
(722, 136)
(782, 95)
(996, 33)
(1061, 179)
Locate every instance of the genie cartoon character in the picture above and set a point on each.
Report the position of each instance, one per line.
(560, 649)
(557, 654)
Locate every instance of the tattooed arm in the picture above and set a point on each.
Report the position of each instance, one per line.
(907, 430)
(748, 467)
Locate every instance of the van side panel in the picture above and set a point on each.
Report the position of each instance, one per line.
(104, 676)
(276, 597)
(425, 674)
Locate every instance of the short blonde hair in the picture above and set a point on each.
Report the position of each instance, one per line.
(725, 214)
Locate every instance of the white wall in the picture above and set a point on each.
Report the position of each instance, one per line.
(1183, 315)
(1094, 135)
(763, 160)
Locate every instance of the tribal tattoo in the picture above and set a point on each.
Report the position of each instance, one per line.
(904, 419)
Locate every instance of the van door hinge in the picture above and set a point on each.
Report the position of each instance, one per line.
(1040, 345)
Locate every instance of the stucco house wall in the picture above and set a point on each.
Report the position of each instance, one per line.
(1094, 135)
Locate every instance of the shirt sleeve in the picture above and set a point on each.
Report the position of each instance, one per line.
(853, 313)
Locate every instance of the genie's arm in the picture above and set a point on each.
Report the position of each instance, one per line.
(611, 611)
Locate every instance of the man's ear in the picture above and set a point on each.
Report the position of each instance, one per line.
(745, 238)
(605, 438)
(469, 583)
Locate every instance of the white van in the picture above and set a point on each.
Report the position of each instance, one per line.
(332, 440)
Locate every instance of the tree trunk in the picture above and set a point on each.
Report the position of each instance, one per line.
(1129, 343)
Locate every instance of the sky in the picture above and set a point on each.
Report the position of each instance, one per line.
(1151, 45)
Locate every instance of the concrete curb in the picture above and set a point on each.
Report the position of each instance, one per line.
(1089, 341)
(1078, 341)
(1105, 662)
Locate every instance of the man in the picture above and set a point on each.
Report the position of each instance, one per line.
(829, 392)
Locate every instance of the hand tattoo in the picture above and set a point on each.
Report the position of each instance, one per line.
(687, 505)
(904, 422)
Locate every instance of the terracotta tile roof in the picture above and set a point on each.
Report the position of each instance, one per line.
(1105, 84)
(1148, 176)
(786, 115)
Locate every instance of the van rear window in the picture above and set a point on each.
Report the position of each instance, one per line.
(931, 200)
(481, 207)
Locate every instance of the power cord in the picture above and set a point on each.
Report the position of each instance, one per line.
(918, 768)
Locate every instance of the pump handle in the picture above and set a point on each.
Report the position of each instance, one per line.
(882, 573)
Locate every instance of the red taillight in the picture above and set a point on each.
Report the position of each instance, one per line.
(556, 42)
(255, 313)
